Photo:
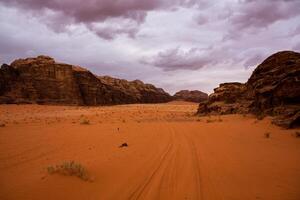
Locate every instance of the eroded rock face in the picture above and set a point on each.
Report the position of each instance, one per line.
(273, 89)
(193, 96)
(276, 81)
(141, 92)
(42, 80)
(39, 80)
(228, 98)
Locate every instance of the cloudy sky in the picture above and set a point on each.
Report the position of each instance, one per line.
(174, 44)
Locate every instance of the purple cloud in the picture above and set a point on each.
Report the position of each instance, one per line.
(181, 42)
(96, 14)
(261, 13)
(178, 59)
(249, 16)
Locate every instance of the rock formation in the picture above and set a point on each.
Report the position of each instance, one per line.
(193, 96)
(273, 89)
(42, 80)
(146, 93)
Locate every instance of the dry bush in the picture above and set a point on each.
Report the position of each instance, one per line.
(220, 119)
(84, 121)
(70, 168)
(260, 116)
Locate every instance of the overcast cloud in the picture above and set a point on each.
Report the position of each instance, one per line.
(174, 44)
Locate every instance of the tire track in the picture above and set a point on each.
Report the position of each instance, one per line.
(163, 182)
(142, 187)
(196, 166)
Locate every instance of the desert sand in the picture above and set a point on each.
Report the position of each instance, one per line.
(171, 154)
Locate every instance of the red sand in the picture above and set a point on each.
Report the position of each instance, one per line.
(172, 154)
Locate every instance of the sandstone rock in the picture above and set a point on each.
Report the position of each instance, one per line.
(193, 96)
(39, 80)
(141, 92)
(273, 89)
(276, 81)
(228, 92)
(42, 80)
(228, 98)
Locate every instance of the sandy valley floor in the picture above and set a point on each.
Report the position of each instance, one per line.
(172, 154)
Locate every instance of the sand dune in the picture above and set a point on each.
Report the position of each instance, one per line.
(171, 154)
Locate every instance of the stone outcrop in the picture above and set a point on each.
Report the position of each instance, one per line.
(146, 93)
(273, 89)
(228, 98)
(42, 80)
(193, 96)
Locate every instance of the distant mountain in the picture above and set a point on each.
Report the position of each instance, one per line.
(193, 96)
(41, 80)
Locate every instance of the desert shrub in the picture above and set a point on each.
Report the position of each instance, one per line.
(69, 168)
(209, 121)
(260, 116)
(84, 121)
(267, 135)
(220, 119)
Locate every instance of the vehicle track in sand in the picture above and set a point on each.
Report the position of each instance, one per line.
(177, 168)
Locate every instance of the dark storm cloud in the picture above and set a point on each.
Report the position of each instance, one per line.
(175, 44)
(250, 16)
(191, 59)
(261, 13)
(91, 12)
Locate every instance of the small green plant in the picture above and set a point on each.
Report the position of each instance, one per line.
(84, 121)
(267, 135)
(70, 168)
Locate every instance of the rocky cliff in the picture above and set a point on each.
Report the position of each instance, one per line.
(141, 92)
(193, 96)
(273, 89)
(42, 80)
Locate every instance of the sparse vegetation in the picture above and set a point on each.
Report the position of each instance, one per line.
(210, 120)
(267, 135)
(220, 119)
(260, 116)
(70, 168)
